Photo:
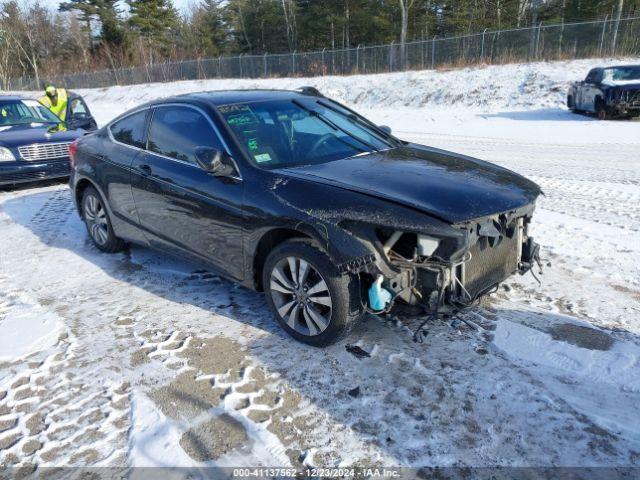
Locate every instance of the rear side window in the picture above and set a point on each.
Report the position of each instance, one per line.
(175, 132)
(130, 130)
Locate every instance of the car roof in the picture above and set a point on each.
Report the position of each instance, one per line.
(4, 98)
(227, 97)
(622, 66)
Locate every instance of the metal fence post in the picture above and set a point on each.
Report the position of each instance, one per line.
(604, 27)
(358, 58)
(433, 52)
(482, 47)
(538, 41)
(293, 63)
(391, 56)
(240, 62)
(264, 65)
(324, 68)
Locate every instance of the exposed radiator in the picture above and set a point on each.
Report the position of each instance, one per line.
(487, 266)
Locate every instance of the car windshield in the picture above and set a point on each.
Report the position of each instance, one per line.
(287, 133)
(24, 112)
(622, 73)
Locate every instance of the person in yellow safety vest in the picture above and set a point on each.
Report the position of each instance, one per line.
(55, 99)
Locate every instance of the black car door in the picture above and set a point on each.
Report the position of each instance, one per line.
(79, 116)
(181, 205)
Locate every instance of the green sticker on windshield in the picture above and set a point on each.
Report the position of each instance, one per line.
(252, 143)
(262, 157)
(238, 115)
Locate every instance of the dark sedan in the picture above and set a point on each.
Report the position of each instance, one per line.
(34, 143)
(297, 195)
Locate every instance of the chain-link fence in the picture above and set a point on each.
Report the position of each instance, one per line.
(542, 42)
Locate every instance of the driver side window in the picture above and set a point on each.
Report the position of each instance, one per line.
(593, 76)
(176, 131)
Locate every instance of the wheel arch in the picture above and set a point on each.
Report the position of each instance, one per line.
(79, 189)
(270, 240)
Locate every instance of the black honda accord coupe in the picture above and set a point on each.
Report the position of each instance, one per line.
(297, 195)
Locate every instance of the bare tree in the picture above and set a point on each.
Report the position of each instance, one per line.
(288, 9)
(405, 6)
(616, 25)
(6, 52)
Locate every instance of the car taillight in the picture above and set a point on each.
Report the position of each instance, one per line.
(72, 153)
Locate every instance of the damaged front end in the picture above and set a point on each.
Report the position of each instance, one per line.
(448, 269)
(624, 101)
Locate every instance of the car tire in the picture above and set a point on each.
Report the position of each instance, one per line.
(570, 104)
(310, 298)
(601, 109)
(96, 219)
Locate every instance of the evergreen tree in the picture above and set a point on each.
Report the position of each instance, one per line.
(103, 11)
(154, 20)
(205, 31)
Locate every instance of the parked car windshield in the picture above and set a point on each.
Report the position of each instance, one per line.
(286, 133)
(622, 73)
(24, 112)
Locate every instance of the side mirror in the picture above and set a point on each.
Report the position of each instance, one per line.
(215, 161)
(385, 129)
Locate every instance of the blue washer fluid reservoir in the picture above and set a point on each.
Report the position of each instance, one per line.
(379, 297)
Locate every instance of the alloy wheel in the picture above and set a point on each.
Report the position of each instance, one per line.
(96, 218)
(301, 296)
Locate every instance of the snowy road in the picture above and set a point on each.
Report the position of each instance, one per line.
(156, 362)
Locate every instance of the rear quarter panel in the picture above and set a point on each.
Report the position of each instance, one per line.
(107, 166)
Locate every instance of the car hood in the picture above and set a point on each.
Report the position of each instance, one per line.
(631, 84)
(446, 185)
(12, 136)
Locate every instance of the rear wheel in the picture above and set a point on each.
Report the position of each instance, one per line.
(310, 298)
(571, 104)
(98, 223)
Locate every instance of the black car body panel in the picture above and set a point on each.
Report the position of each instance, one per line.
(448, 186)
(40, 150)
(349, 207)
(615, 98)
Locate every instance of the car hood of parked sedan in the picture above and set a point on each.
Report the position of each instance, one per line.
(12, 136)
(446, 185)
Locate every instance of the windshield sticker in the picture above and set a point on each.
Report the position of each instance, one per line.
(262, 157)
(252, 143)
(239, 115)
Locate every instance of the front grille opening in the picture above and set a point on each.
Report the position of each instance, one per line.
(44, 151)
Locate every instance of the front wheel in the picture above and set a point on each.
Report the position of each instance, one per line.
(601, 109)
(98, 223)
(310, 298)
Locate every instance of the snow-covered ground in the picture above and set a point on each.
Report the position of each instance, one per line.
(139, 360)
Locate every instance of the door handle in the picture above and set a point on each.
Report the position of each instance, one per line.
(145, 169)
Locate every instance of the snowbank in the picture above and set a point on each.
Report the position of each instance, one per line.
(488, 88)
